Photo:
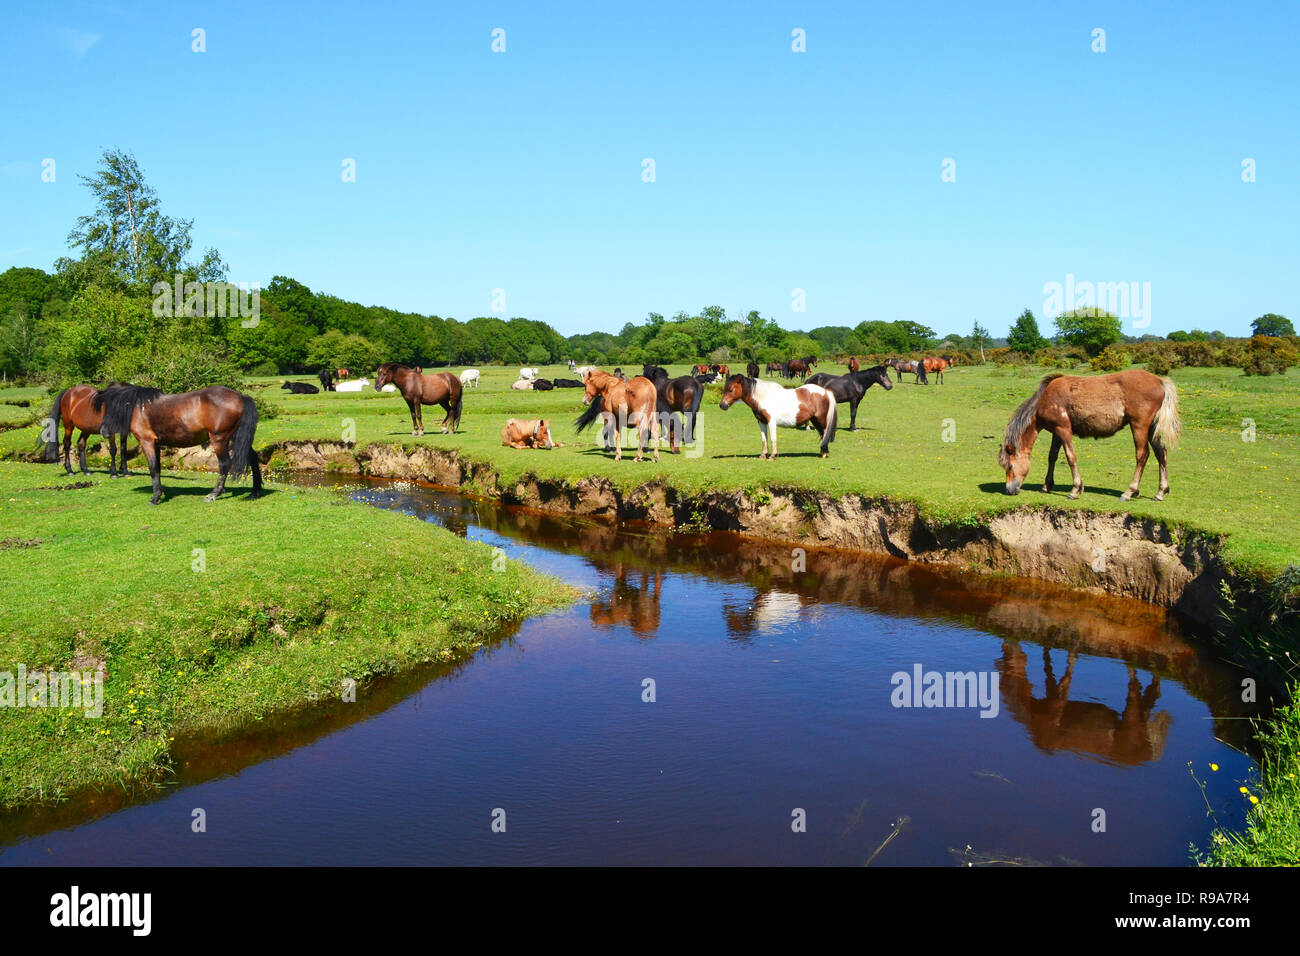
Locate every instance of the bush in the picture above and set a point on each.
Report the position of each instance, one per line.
(173, 366)
(1111, 359)
(1268, 355)
(1160, 363)
(263, 369)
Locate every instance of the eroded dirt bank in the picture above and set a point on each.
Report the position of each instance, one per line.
(1119, 554)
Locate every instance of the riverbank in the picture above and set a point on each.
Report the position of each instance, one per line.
(207, 617)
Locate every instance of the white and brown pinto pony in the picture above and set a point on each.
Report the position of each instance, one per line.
(622, 404)
(776, 406)
(1093, 406)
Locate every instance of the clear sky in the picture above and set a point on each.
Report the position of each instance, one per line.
(774, 170)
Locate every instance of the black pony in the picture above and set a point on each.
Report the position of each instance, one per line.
(677, 395)
(326, 380)
(851, 387)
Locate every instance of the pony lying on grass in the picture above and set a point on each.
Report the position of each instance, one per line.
(527, 434)
(777, 406)
(1093, 406)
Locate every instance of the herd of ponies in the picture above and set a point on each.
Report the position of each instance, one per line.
(654, 404)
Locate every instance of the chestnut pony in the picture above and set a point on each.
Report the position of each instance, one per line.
(220, 416)
(442, 388)
(1095, 406)
(633, 402)
(75, 408)
(774, 405)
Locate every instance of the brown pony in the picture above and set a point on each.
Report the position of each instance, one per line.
(220, 416)
(75, 408)
(1093, 407)
(936, 365)
(442, 388)
(633, 402)
(853, 363)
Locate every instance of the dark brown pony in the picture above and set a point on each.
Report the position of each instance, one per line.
(797, 368)
(677, 395)
(75, 408)
(853, 365)
(220, 416)
(634, 402)
(1093, 407)
(441, 388)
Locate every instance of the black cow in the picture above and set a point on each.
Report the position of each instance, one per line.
(300, 388)
(567, 383)
(542, 385)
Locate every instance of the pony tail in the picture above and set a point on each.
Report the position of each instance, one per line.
(458, 404)
(52, 447)
(591, 414)
(832, 419)
(241, 450)
(1168, 425)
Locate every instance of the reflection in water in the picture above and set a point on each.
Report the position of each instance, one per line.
(1057, 723)
(774, 692)
(1144, 636)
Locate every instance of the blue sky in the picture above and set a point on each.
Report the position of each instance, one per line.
(774, 170)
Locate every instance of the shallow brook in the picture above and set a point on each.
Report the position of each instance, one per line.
(775, 692)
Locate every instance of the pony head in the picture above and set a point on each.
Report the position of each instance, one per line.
(733, 391)
(1018, 442)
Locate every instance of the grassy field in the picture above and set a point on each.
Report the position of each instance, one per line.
(1248, 491)
(208, 616)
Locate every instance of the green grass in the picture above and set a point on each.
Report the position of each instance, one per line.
(1248, 492)
(1272, 834)
(298, 591)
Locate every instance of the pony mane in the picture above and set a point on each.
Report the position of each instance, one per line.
(119, 402)
(1025, 414)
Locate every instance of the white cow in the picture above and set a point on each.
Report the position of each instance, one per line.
(521, 385)
(582, 371)
(352, 385)
(390, 387)
(469, 377)
(528, 373)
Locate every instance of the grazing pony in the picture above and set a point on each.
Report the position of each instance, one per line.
(751, 370)
(773, 368)
(677, 395)
(342, 373)
(220, 416)
(851, 387)
(469, 377)
(633, 402)
(912, 367)
(935, 365)
(797, 368)
(442, 388)
(326, 380)
(1094, 406)
(777, 406)
(75, 408)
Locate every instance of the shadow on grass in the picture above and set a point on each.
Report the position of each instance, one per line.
(1036, 491)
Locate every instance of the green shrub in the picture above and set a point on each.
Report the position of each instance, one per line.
(1160, 363)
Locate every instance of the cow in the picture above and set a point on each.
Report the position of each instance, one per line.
(522, 385)
(528, 374)
(566, 383)
(469, 377)
(356, 385)
(326, 380)
(300, 388)
(527, 434)
(542, 384)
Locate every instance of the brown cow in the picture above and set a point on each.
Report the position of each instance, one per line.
(527, 434)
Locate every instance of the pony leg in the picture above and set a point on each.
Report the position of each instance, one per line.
(257, 477)
(1142, 449)
(150, 452)
(67, 448)
(112, 456)
(762, 431)
(771, 431)
(853, 414)
(81, 452)
(222, 451)
(653, 436)
(1068, 444)
(1049, 482)
(1159, 448)
(125, 471)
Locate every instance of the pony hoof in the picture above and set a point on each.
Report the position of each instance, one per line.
(1047, 489)
(1075, 494)
(209, 497)
(1160, 496)
(153, 501)
(1126, 496)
